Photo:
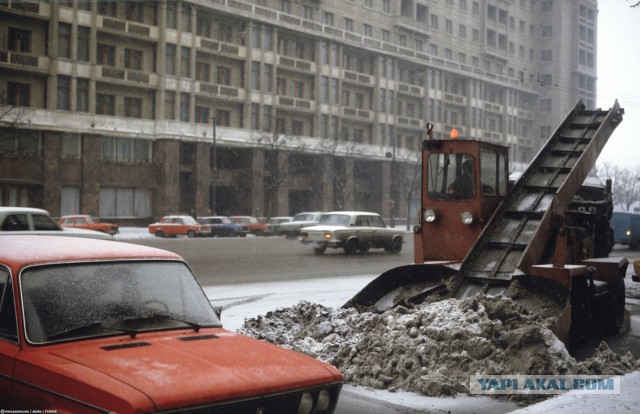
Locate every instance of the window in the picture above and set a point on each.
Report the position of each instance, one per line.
(105, 104)
(125, 150)
(170, 61)
(434, 22)
(185, 18)
(18, 94)
(386, 35)
(308, 12)
(106, 55)
(82, 95)
(268, 78)
(125, 202)
(297, 127)
(202, 71)
(366, 29)
(171, 15)
(71, 146)
(133, 107)
(255, 75)
(19, 40)
(546, 55)
(328, 18)
(84, 34)
(69, 200)
(348, 25)
(185, 62)
(64, 40)
(134, 11)
(223, 118)
(203, 26)
(133, 59)
(285, 6)
(202, 115)
(170, 105)
(108, 8)
(386, 6)
(223, 76)
(184, 107)
(64, 93)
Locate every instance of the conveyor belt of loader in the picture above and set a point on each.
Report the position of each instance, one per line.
(521, 228)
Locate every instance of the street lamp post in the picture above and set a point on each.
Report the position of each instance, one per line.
(214, 170)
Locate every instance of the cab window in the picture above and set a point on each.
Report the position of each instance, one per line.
(450, 176)
(8, 327)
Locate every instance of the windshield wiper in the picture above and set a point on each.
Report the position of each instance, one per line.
(161, 316)
(88, 328)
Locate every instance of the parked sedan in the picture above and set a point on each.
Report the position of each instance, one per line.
(178, 225)
(35, 221)
(292, 228)
(352, 231)
(84, 221)
(274, 225)
(97, 326)
(223, 226)
(253, 224)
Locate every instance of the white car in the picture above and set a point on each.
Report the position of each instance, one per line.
(292, 228)
(27, 220)
(353, 231)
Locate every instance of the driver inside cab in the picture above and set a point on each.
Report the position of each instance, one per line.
(462, 186)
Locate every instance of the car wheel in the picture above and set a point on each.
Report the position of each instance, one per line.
(191, 234)
(396, 246)
(351, 247)
(320, 249)
(159, 233)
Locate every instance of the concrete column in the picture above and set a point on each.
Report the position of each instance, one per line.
(282, 207)
(202, 177)
(327, 182)
(166, 161)
(51, 172)
(91, 174)
(349, 201)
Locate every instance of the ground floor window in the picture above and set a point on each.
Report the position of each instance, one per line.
(125, 202)
(69, 201)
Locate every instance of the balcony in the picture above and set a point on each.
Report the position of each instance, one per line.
(126, 27)
(350, 76)
(24, 59)
(455, 99)
(296, 103)
(223, 91)
(361, 114)
(407, 122)
(128, 75)
(408, 89)
(299, 64)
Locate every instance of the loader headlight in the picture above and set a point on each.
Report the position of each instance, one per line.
(430, 215)
(466, 217)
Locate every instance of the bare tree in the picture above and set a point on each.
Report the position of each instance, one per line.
(340, 151)
(12, 119)
(279, 147)
(626, 185)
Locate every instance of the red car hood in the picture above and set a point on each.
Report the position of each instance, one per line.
(189, 368)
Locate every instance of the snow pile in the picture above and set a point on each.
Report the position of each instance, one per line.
(432, 348)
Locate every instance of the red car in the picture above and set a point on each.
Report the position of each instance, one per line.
(84, 221)
(251, 223)
(178, 225)
(91, 326)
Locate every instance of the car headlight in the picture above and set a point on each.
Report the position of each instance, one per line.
(324, 401)
(466, 217)
(328, 236)
(430, 215)
(306, 403)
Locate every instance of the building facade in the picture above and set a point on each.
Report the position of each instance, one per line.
(130, 110)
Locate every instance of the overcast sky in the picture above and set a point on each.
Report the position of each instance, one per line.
(619, 77)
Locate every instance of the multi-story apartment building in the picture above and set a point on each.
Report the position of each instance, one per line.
(133, 109)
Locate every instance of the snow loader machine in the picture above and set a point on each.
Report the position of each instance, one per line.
(543, 240)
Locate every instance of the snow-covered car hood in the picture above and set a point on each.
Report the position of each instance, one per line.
(65, 231)
(182, 369)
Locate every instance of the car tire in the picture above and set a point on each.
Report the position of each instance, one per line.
(159, 233)
(351, 247)
(320, 249)
(396, 246)
(191, 234)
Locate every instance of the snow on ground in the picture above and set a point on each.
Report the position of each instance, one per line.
(418, 358)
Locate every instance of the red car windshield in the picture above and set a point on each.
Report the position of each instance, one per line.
(74, 301)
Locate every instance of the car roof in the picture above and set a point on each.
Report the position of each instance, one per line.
(21, 250)
(7, 210)
(354, 213)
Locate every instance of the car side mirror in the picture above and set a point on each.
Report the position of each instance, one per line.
(218, 311)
